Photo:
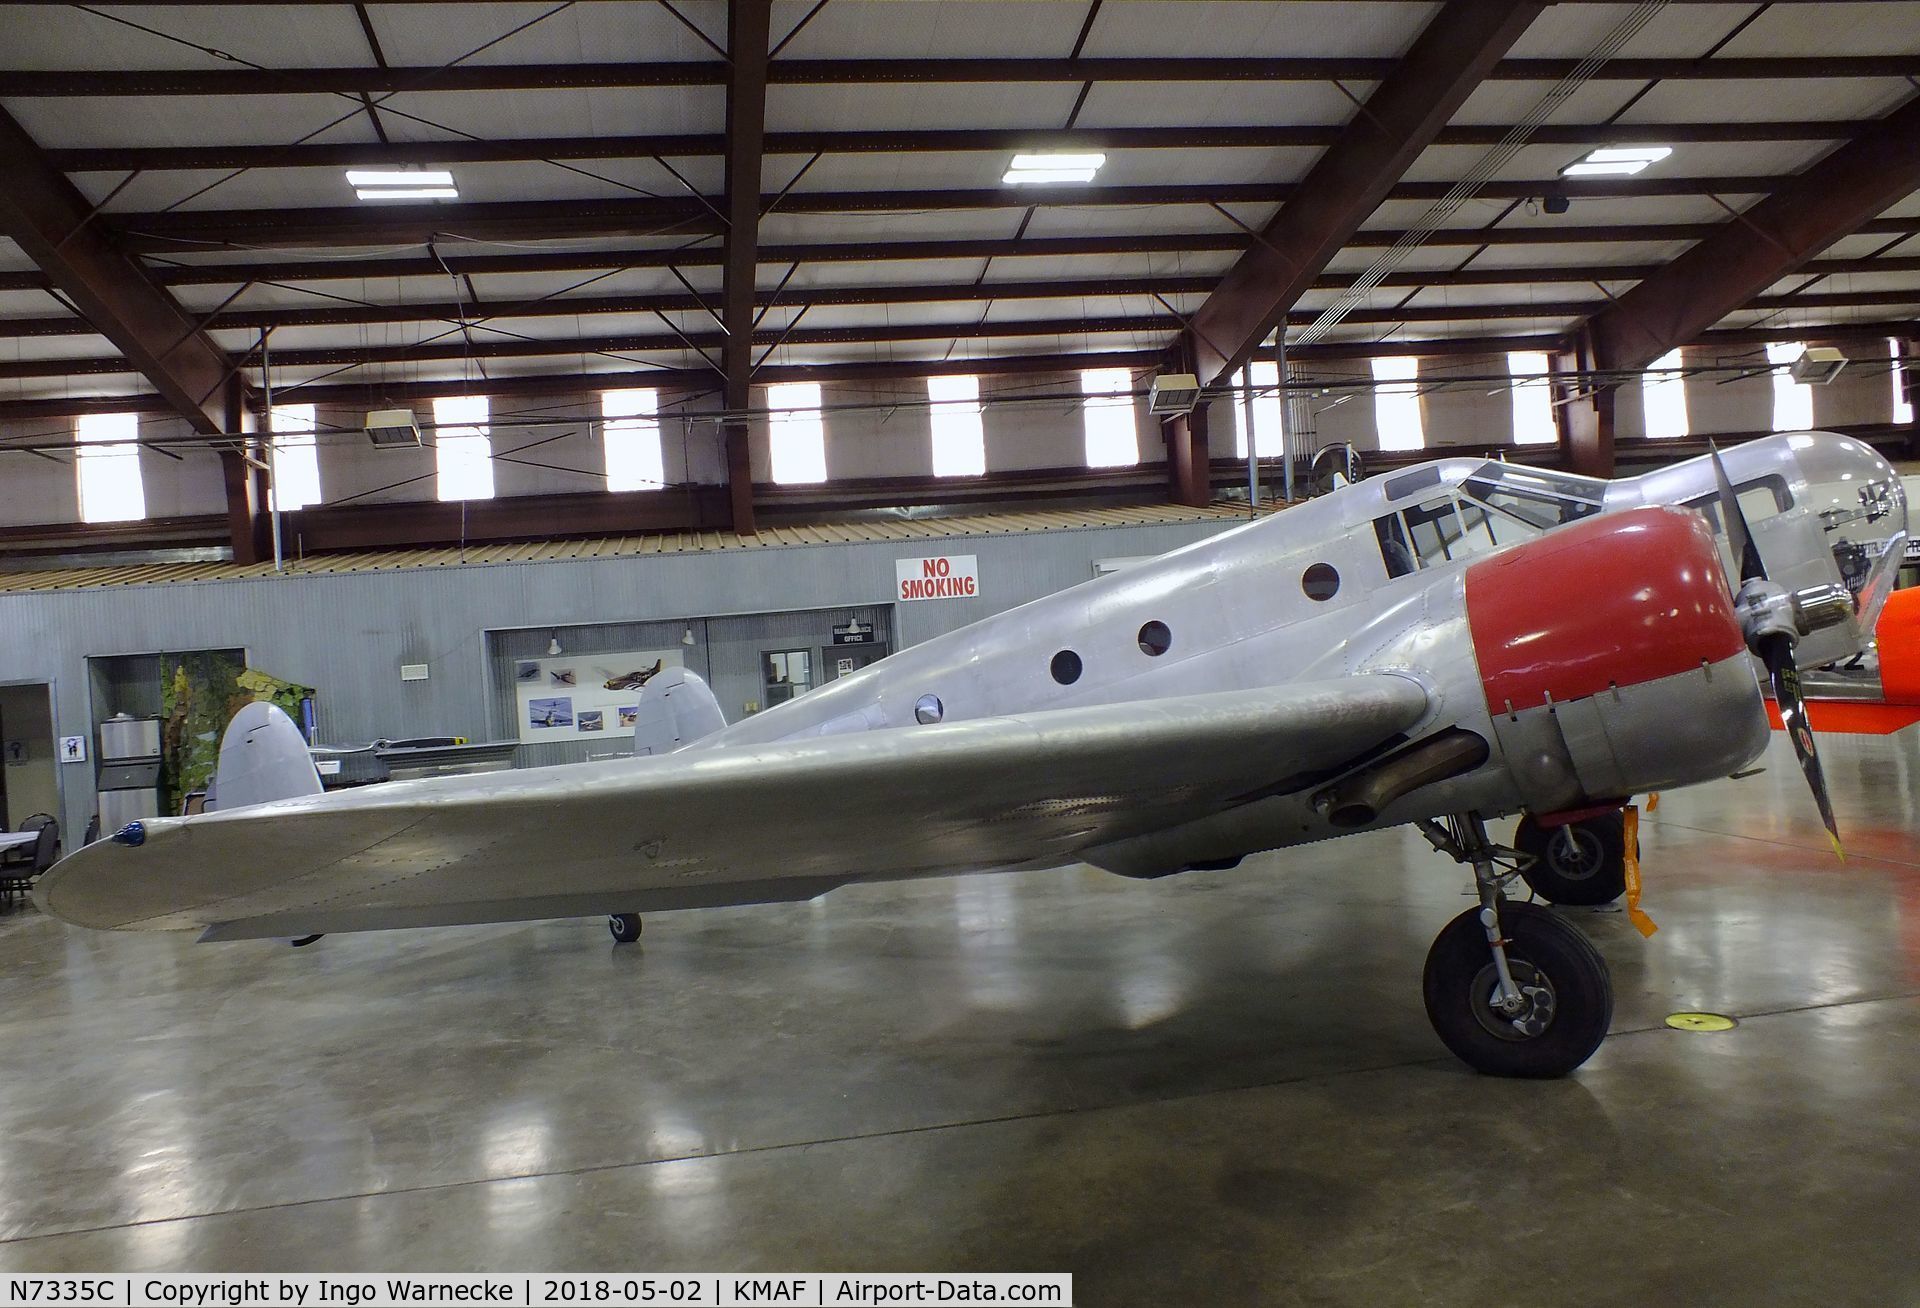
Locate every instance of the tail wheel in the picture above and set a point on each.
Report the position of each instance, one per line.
(1567, 995)
(1581, 862)
(625, 927)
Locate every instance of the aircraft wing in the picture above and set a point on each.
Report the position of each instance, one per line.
(749, 824)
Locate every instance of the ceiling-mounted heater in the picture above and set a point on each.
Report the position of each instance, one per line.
(1817, 365)
(393, 429)
(1173, 393)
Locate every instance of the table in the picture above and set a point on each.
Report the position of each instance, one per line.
(12, 840)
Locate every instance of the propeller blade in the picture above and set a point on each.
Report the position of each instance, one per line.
(1737, 534)
(1777, 653)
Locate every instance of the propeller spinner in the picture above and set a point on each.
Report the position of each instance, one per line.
(1774, 620)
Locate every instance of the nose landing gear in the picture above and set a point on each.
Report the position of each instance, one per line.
(1511, 989)
(624, 927)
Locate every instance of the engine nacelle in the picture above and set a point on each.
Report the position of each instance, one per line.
(1641, 683)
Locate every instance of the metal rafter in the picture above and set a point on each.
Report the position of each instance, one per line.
(401, 224)
(1128, 288)
(923, 141)
(1751, 251)
(83, 83)
(322, 270)
(52, 222)
(1458, 47)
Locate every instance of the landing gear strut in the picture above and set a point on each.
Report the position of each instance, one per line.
(625, 927)
(1511, 989)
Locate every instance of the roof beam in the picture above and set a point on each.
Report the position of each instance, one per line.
(400, 224)
(51, 221)
(320, 270)
(1750, 252)
(959, 140)
(84, 83)
(1459, 45)
(480, 314)
(747, 61)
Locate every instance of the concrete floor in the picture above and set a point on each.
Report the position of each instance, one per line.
(1220, 1088)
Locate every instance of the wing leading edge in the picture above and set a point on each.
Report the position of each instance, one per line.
(762, 823)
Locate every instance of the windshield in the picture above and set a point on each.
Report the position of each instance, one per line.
(1535, 495)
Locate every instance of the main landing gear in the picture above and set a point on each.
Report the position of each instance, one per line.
(1511, 989)
(625, 927)
(1581, 862)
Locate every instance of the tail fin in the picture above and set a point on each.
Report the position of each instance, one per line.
(263, 757)
(676, 708)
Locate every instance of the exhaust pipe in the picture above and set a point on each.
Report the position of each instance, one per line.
(1357, 800)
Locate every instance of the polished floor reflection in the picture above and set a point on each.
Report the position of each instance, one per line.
(1218, 1088)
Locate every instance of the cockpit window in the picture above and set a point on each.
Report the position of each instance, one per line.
(1533, 495)
(1760, 499)
(1442, 529)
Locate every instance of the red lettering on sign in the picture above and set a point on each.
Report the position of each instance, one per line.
(935, 567)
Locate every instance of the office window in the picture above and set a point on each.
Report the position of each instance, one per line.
(1792, 400)
(107, 467)
(1396, 403)
(1108, 414)
(1266, 411)
(296, 459)
(796, 437)
(1902, 406)
(1663, 393)
(959, 443)
(631, 434)
(462, 448)
(1532, 401)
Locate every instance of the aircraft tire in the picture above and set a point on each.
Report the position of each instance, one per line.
(1543, 951)
(1583, 863)
(625, 927)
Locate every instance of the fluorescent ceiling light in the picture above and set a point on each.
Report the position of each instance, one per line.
(409, 193)
(1029, 168)
(1021, 176)
(1602, 169)
(1073, 161)
(1631, 154)
(1617, 161)
(397, 177)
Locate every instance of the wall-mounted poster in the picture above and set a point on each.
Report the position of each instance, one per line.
(549, 714)
(592, 695)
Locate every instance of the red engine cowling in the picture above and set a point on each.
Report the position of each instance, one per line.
(1611, 659)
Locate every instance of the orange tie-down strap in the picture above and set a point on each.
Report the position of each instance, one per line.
(1631, 839)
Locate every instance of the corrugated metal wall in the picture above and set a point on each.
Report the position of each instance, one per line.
(348, 634)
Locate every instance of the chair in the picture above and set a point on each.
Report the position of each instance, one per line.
(19, 858)
(17, 878)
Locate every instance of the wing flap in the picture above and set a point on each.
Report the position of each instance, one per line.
(1029, 790)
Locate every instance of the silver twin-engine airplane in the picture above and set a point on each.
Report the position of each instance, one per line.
(1444, 645)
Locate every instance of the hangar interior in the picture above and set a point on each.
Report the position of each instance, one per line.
(444, 371)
